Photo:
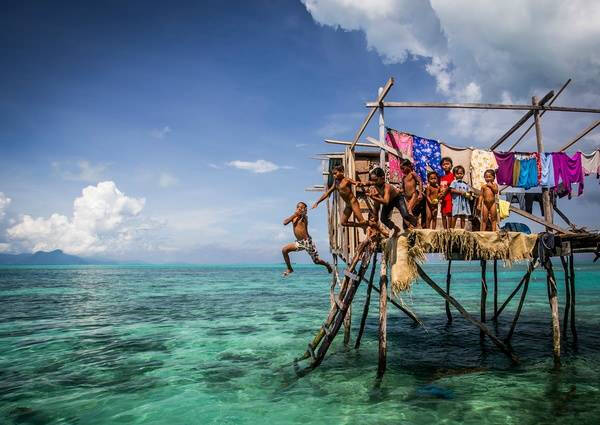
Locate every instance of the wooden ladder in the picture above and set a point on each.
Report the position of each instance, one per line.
(318, 347)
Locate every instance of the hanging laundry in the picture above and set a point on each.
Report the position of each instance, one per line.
(538, 160)
(547, 179)
(515, 197)
(506, 162)
(530, 198)
(503, 209)
(459, 156)
(591, 163)
(480, 162)
(568, 170)
(528, 176)
(516, 172)
(426, 153)
(402, 142)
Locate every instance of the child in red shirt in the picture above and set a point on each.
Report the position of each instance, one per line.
(446, 196)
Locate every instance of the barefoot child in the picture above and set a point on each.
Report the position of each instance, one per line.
(413, 187)
(303, 240)
(460, 191)
(432, 197)
(487, 201)
(388, 197)
(344, 186)
(446, 196)
(374, 228)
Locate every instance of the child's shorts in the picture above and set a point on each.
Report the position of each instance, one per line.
(308, 246)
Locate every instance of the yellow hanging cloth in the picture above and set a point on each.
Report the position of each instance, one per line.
(503, 209)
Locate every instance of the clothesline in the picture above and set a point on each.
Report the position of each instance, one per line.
(517, 169)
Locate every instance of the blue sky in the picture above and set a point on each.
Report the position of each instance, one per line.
(165, 104)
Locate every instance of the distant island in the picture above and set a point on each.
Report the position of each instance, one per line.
(56, 257)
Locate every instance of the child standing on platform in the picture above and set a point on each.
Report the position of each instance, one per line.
(446, 196)
(432, 197)
(460, 191)
(487, 201)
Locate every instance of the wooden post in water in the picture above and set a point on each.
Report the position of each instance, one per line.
(518, 313)
(565, 264)
(334, 281)
(572, 284)
(347, 325)
(553, 299)
(448, 279)
(363, 319)
(495, 289)
(382, 320)
(484, 291)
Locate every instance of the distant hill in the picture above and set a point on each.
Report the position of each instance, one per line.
(56, 257)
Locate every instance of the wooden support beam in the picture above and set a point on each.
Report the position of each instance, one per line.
(565, 265)
(402, 308)
(580, 135)
(522, 121)
(553, 300)
(489, 106)
(572, 285)
(518, 313)
(484, 291)
(346, 143)
(548, 213)
(539, 220)
(379, 102)
(447, 304)
(363, 319)
(347, 325)
(525, 278)
(495, 287)
(466, 315)
(543, 112)
(385, 147)
(382, 364)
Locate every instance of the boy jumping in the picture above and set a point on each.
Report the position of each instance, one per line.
(303, 240)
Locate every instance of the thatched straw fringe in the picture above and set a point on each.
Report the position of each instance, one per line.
(403, 252)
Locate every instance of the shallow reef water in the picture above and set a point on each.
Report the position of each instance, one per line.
(216, 345)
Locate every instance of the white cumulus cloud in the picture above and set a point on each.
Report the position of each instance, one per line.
(4, 202)
(483, 50)
(102, 220)
(259, 166)
(160, 133)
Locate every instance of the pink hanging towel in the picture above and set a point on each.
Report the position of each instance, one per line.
(404, 143)
(569, 170)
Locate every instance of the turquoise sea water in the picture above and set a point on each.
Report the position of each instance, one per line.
(213, 345)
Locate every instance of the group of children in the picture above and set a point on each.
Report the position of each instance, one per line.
(418, 204)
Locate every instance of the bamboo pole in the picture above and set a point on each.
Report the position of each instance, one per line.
(381, 366)
(382, 94)
(565, 265)
(525, 277)
(484, 291)
(363, 319)
(466, 315)
(580, 135)
(553, 300)
(447, 304)
(347, 325)
(543, 112)
(374, 105)
(572, 284)
(381, 132)
(518, 313)
(495, 287)
(346, 143)
(548, 213)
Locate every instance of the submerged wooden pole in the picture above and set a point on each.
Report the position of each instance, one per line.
(334, 281)
(495, 289)
(382, 364)
(553, 300)
(448, 279)
(518, 313)
(565, 264)
(347, 325)
(466, 315)
(484, 291)
(363, 319)
(572, 284)
(400, 307)
(514, 292)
